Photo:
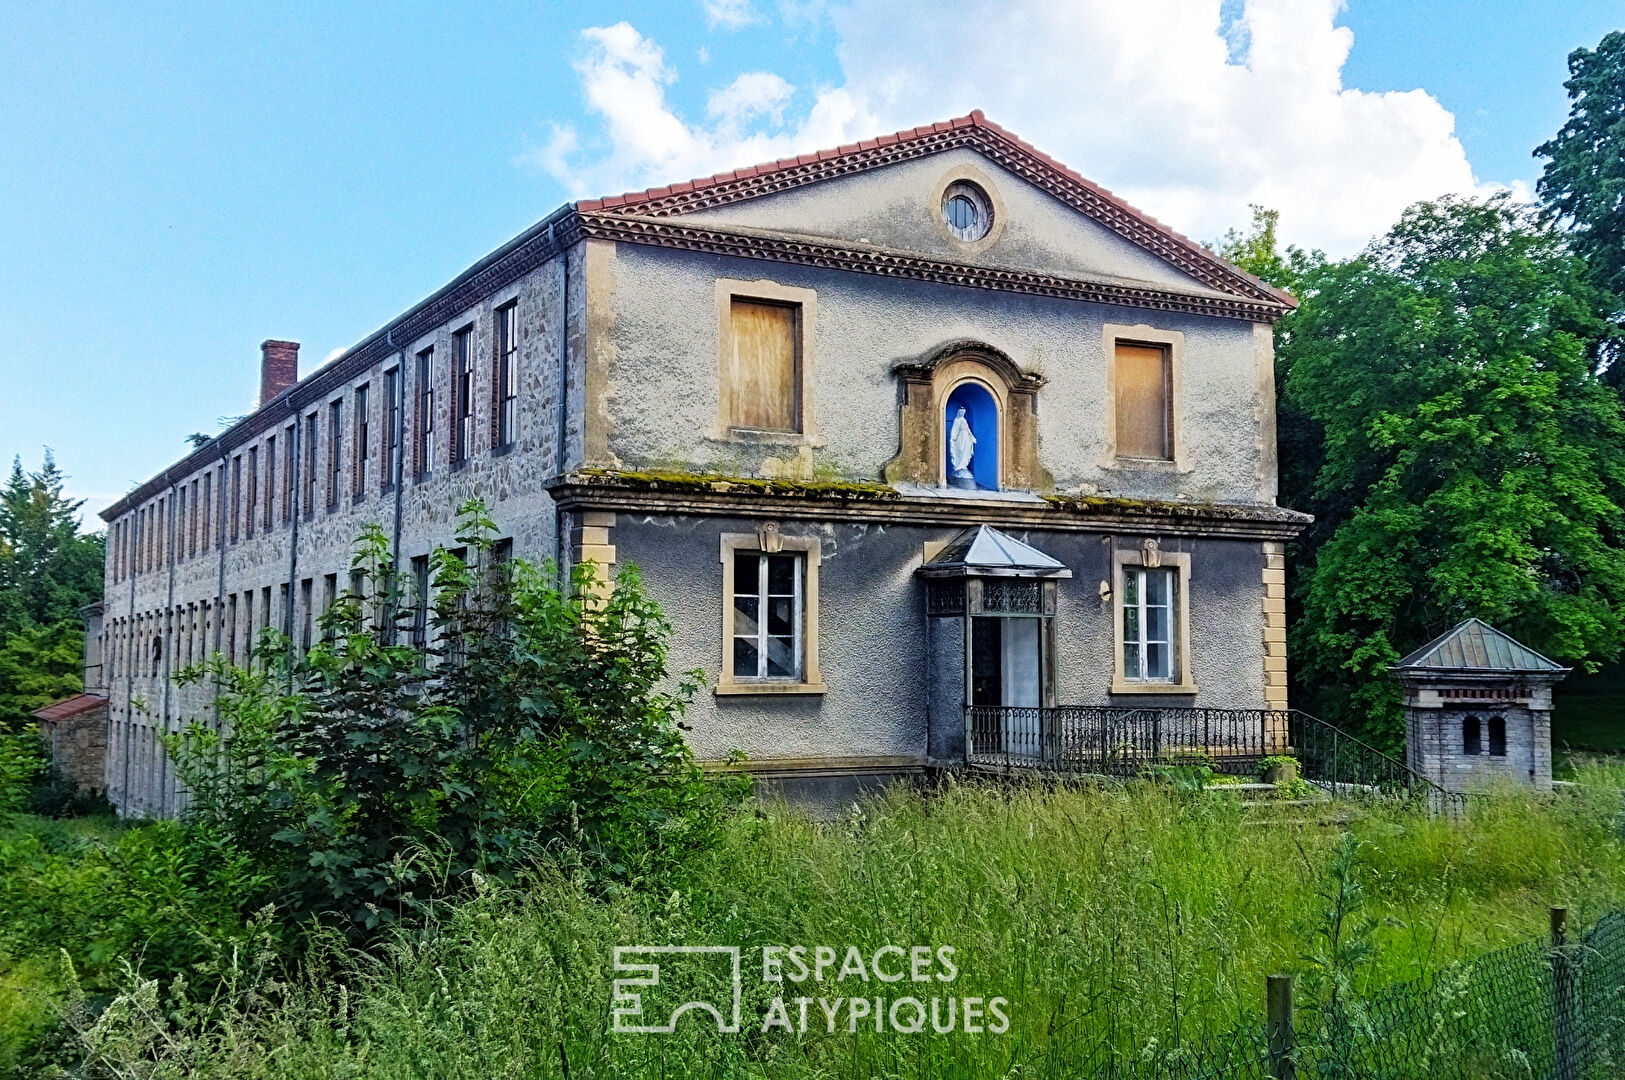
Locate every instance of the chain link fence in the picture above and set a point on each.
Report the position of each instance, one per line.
(1538, 1010)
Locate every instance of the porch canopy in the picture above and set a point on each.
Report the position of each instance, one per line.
(984, 551)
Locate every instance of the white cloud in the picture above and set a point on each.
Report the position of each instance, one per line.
(1187, 111)
(644, 142)
(731, 14)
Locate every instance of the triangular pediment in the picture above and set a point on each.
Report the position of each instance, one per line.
(883, 195)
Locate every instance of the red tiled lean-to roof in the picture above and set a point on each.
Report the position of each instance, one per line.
(978, 132)
(73, 706)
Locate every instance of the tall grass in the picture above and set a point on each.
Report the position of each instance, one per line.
(1113, 919)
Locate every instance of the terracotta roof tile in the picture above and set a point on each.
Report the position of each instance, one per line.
(73, 706)
(975, 119)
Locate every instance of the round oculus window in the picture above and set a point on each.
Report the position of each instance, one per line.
(967, 211)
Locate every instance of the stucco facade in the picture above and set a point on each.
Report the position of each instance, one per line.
(621, 451)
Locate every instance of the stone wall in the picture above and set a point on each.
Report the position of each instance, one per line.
(78, 747)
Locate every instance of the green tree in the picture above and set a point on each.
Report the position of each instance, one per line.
(1258, 251)
(48, 571)
(370, 776)
(1471, 461)
(1583, 183)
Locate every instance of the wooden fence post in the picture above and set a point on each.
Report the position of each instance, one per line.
(1563, 998)
(1283, 1040)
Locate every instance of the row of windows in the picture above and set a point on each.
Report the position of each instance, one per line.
(763, 379)
(135, 647)
(255, 490)
(770, 627)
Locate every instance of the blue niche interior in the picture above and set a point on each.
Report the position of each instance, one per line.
(982, 413)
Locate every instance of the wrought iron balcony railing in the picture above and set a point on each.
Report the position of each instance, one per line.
(1086, 739)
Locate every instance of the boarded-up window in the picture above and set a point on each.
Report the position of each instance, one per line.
(1144, 392)
(764, 382)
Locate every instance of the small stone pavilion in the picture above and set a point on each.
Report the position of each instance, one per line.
(1478, 708)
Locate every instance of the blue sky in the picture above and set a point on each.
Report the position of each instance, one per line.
(176, 187)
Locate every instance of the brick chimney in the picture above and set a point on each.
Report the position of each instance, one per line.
(279, 367)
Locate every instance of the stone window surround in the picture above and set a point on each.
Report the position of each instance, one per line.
(1149, 556)
(967, 174)
(1143, 334)
(806, 300)
(770, 540)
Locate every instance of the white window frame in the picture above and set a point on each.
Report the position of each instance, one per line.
(1125, 560)
(770, 542)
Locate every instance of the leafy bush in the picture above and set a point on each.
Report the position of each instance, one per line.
(22, 762)
(370, 776)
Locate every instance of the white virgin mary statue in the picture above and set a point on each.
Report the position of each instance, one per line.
(961, 450)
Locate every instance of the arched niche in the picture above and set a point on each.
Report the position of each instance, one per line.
(973, 401)
(1001, 405)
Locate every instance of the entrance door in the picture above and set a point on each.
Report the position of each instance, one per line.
(1007, 671)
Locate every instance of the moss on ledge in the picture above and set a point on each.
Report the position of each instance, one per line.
(674, 482)
(1126, 507)
(717, 483)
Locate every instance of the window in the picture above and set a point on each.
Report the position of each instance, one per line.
(335, 439)
(330, 594)
(231, 628)
(967, 211)
(392, 427)
(207, 499)
(420, 601)
(1498, 736)
(770, 614)
(306, 600)
(270, 483)
(767, 616)
(1151, 607)
(248, 626)
(197, 514)
(763, 378)
(1144, 383)
(462, 394)
(1148, 615)
(1472, 742)
(253, 490)
(507, 373)
(424, 420)
(312, 434)
(285, 596)
(236, 495)
(363, 441)
(287, 473)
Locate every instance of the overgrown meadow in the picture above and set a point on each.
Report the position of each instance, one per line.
(1115, 919)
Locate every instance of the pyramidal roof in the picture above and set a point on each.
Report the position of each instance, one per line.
(985, 550)
(1475, 645)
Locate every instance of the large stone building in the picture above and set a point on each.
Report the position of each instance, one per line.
(794, 395)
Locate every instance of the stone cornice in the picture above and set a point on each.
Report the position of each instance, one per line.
(655, 493)
(779, 247)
